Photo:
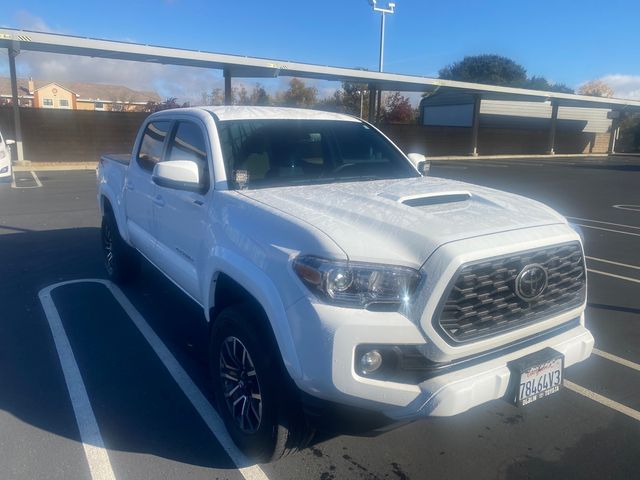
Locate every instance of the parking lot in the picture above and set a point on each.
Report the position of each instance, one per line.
(140, 354)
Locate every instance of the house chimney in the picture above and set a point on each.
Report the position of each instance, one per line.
(31, 86)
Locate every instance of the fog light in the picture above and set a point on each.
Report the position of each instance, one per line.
(370, 361)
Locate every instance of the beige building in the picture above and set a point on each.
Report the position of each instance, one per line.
(77, 96)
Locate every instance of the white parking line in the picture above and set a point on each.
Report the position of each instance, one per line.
(458, 167)
(632, 208)
(605, 223)
(616, 359)
(600, 272)
(626, 265)
(609, 230)
(35, 179)
(208, 414)
(607, 402)
(192, 392)
(94, 450)
(482, 163)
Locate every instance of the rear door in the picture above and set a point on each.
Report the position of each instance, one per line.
(181, 216)
(140, 190)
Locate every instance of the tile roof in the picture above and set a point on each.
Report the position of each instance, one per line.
(85, 91)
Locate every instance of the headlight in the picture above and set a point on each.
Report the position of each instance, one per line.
(356, 284)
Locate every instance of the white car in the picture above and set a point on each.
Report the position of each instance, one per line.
(5, 157)
(338, 283)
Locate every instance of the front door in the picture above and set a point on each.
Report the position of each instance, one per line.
(140, 190)
(181, 216)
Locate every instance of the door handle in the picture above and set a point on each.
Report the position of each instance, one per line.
(159, 201)
(198, 202)
(128, 185)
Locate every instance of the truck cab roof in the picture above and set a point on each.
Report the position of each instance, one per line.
(225, 113)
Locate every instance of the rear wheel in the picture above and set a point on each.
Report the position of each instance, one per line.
(260, 412)
(120, 260)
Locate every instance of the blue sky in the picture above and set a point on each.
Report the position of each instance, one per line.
(565, 41)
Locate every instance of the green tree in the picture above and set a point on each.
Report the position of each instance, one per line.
(353, 96)
(488, 69)
(540, 83)
(299, 95)
(332, 103)
(348, 100)
(629, 140)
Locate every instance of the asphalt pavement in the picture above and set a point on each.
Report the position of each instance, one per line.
(142, 375)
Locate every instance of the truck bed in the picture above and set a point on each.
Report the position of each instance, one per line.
(123, 158)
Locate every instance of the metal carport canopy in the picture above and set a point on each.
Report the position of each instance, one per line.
(253, 67)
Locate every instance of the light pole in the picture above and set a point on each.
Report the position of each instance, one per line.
(361, 93)
(383, 11)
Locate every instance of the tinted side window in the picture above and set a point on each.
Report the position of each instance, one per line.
(150, 151)
(189, 144)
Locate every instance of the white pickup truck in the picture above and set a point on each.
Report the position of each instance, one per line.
(338, 281)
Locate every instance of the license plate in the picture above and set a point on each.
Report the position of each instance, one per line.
(537, 376)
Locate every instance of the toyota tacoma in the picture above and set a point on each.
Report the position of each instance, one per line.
(336, 276)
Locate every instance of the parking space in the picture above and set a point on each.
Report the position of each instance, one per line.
(143, 367)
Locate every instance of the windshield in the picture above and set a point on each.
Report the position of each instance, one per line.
(263, 153)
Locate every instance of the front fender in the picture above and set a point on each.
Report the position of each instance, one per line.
(262, 288)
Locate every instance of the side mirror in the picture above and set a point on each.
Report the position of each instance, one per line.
(420, 162)
(178, 174)
(9, 142)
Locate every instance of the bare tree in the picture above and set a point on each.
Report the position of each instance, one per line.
(596, 88)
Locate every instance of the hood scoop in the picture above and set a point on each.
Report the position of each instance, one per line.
(424, 200)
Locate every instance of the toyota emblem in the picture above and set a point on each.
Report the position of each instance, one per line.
(531, 282)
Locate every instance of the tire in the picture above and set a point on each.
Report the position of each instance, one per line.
(272, 424)
(120, 260)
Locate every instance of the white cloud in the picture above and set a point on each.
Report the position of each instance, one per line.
(184, 83)
(624, 86)
(27, 21)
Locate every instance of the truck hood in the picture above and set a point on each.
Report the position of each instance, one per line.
(404, 221)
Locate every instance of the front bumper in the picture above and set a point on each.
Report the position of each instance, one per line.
(328, 363)
(458, 391)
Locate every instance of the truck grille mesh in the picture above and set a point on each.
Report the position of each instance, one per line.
(482, 300)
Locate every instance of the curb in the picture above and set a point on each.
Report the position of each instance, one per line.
(44, 167)
(516, 157)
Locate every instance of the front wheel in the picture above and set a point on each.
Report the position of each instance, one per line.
(261, 415)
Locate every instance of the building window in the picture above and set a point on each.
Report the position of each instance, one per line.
(47, 102)
(99, 106)
(64, 103)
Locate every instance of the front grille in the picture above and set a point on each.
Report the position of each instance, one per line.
(481, 300)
